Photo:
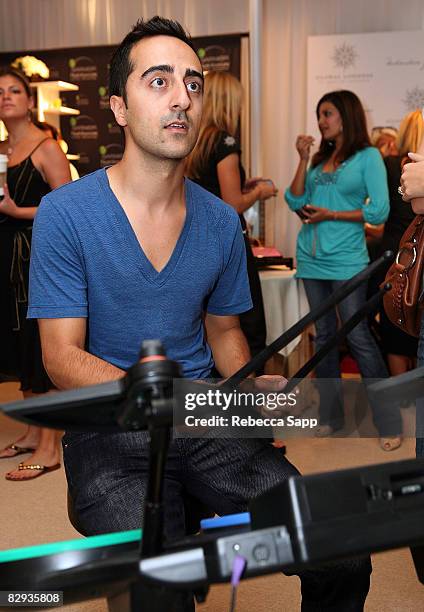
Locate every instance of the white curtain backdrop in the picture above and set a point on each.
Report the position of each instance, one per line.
(46, 24)
(49, 24)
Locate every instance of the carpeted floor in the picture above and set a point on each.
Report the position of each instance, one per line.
(35, 512)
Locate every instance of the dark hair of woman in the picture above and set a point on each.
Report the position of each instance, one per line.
(17, 75)
(355, 133)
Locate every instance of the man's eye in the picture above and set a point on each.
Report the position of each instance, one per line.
(158, 82)
(194, 87)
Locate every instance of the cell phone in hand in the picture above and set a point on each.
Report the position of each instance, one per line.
(300, 212)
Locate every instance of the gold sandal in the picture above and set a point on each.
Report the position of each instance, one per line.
(34, 466)
(18, 450)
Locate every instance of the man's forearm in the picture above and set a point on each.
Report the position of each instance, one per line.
(77, 368)
(230, 351)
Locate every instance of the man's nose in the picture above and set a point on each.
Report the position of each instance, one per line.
(180, 98)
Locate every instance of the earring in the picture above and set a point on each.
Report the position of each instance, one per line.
(29, 116)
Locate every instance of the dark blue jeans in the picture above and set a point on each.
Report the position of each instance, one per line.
(420, 402)
(363, 348)
(107, 476)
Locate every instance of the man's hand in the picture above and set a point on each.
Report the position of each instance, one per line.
(271, 384)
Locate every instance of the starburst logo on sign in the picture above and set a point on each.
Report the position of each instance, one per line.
(414, 98)
(344, 56)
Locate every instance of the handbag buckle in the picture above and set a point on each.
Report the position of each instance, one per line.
(414, 256)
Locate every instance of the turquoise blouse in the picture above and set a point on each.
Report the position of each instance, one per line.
(336, 250)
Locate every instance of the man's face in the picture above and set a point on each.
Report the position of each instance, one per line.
(164, 98)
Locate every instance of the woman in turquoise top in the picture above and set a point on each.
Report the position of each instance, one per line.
(345, 187)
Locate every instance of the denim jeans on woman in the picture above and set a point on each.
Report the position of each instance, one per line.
(363, 349)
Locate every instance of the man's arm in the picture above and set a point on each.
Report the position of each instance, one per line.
(228, 344)
(66, 361)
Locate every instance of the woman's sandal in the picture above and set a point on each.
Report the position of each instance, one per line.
(33, 466)
(390, 444)
(17, 450)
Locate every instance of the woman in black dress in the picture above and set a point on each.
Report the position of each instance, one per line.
(36, 165)
(400, 348)
(215, 164)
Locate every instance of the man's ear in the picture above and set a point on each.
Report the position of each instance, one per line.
(119, 109)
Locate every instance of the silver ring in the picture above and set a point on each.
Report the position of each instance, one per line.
(400, 191)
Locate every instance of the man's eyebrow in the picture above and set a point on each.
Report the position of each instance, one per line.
(170, 70)
(159, 68)
(193, 73)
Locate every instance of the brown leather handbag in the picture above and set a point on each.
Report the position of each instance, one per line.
(404, 302)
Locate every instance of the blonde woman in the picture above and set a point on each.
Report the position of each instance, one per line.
(401, 349)
(36, 166)
(216, 165)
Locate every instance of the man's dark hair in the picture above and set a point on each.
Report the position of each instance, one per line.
(121, 66)
(355, 134)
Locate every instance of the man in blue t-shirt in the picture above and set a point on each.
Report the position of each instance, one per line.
(135, 252)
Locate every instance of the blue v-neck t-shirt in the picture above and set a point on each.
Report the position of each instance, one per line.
(86, 262)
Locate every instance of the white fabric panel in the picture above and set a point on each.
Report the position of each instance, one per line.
(285, 303)
(49, 24)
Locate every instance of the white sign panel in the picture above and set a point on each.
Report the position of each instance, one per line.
(385, 70)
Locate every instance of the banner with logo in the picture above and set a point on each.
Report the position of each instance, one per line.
(385, 70)
(93, 134)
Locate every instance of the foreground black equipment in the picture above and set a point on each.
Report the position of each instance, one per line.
(365, 510)
(394, 391)
(99, 566)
